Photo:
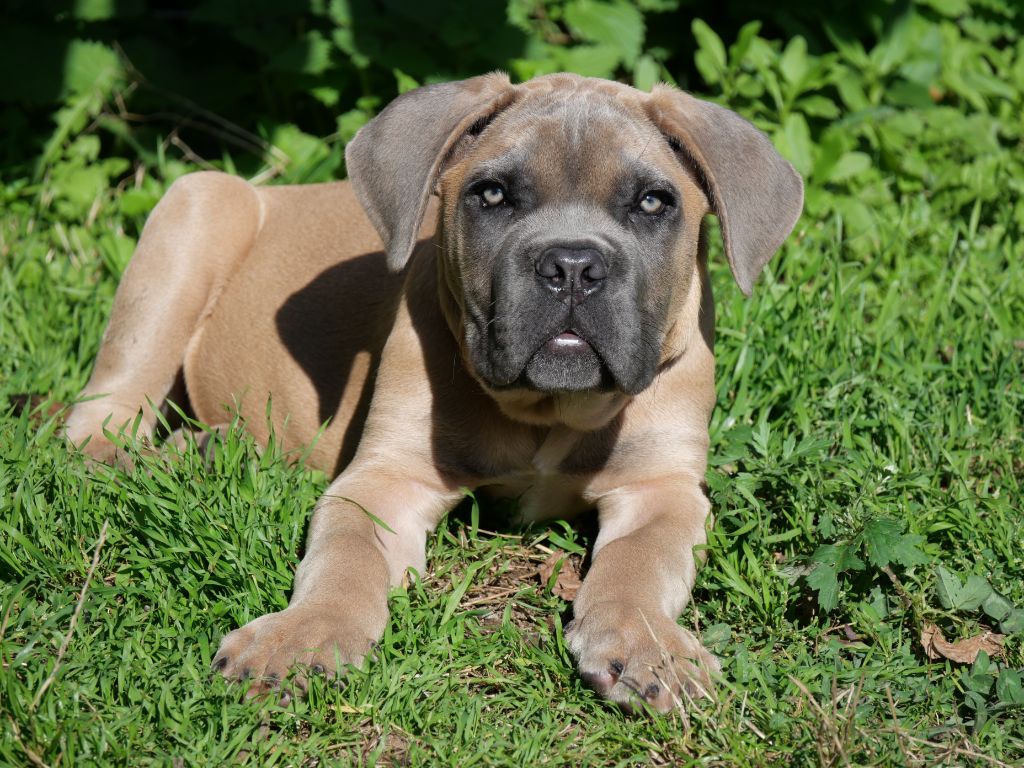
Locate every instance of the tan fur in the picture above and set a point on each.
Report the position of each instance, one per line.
(283, 294)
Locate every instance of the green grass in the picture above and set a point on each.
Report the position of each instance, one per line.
(851, 388)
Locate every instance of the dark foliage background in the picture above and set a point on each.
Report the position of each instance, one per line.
(102, 93)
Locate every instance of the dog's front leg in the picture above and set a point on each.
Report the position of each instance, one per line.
(368, 529)
(624, 633)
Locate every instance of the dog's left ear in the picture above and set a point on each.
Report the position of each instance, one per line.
(393, 161)
(756, 194)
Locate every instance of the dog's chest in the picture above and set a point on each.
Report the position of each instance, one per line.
(552, 481)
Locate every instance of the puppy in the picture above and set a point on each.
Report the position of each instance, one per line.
(510, 294)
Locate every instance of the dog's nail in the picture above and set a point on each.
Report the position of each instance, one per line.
(245, 674)
(651, 691)
(318, 668)
(219, 664)
(601, 682)
(616, 667)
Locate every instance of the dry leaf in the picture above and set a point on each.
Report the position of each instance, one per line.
(568, 582)
(964, 651)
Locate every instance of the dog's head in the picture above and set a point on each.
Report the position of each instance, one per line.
(570, 217)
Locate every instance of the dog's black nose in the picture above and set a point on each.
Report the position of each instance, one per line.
(573, 273)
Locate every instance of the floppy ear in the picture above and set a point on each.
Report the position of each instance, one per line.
(394, 160)
(756, 194)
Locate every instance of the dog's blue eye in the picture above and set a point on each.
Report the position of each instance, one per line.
(651, 204)
(492, 195)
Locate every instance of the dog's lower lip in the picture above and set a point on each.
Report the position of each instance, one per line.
(566, 342)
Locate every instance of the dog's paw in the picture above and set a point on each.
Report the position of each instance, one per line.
(314, 638)
(90, 437)
(99, 450)
(632, 658)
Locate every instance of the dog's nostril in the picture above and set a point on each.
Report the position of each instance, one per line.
(594, 273)
(548, 267)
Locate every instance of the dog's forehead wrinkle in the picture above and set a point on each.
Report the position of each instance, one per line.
(577, 221)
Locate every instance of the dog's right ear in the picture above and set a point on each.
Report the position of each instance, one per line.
(394, 160)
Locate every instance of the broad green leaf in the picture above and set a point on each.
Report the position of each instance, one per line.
(851, 87)
(849, 165)
(710, 57)
(818, 106)
(988, 85)
(101, 10)
(350, 122)
(310, 55)
(881, 537)
(961, 597)
(617, 25)
(716, 635)
(738, 50)
(950, 8)
(658, 6)
(947, 588)
(326, 95)
(81, 186)
(344, 39)
(908, 551)
(894, 47)
(997, 607)
(793, 63)
(138, 202)
(858, 219)
(794, 142)
(1009, 687)
(974, 593)
(646, 74)
(824, 579)
(830, 148)
(1013, 623)
(704, 62)
(842, 557)
(404, 82)
(310, 158)
(91, 67)
(591, 60)
(909, 94)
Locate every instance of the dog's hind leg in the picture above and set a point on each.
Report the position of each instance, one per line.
(193, 241)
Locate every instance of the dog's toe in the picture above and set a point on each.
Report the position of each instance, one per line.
(265, 650)
(641, 662)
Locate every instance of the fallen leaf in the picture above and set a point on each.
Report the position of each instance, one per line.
(568, 581)
(964, 651)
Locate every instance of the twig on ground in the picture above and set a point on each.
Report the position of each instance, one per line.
(32, 756)
(74, 620)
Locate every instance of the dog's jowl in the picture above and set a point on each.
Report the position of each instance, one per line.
(510, 294)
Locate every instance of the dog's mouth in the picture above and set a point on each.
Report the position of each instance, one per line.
(567, 343)
(566, 363)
